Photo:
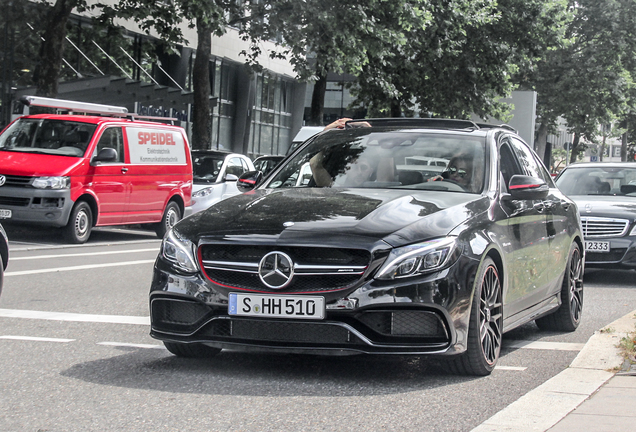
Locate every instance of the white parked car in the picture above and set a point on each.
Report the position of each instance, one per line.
(214, 177)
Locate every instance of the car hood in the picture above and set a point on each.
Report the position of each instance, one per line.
(333, 216)
(606, 206)
(35, 164)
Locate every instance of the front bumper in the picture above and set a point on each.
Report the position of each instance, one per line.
(41, 206)
(622, 254)
(425, 316)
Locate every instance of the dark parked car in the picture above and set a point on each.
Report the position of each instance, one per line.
(4, 254)
(364, 257)
(266, 164)
(605, 194)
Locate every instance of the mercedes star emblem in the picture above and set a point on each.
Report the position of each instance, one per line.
(276, 270)
(3, 179)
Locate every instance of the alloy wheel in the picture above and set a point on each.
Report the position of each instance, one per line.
(490, 316)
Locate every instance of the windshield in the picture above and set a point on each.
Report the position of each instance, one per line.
(206, 168)
(265, 165)
(58, 137)
(598, 180)
(407, 159)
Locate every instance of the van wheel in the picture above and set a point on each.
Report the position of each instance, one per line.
(170, 217)
(80, 224)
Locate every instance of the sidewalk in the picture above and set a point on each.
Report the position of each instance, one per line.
(588, 396)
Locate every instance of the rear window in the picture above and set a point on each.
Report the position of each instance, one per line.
(56, 137)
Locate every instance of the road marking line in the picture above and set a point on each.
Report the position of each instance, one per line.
(63, 316)
(131, 345)
(38, 339)
(511, 368)
(552, 346)
(82, 267)
(84, 254)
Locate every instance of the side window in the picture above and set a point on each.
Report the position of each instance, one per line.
(112, 138)
(245, 166)
(508, 165)
(234, 166)
(530, 162)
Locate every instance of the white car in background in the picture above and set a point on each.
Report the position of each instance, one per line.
(214, 177)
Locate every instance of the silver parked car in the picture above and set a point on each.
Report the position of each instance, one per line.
(605, 194)
(214, 177)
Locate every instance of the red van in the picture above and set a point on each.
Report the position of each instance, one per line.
(105, 167)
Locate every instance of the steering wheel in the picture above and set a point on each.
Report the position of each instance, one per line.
(452, 185)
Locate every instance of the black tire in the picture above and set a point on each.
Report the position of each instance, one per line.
(80, 223)
(485, 329)
(568, 316)
(191, 350)
(171, 215)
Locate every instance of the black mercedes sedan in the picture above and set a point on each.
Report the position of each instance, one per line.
(351, 246)
(605, 194)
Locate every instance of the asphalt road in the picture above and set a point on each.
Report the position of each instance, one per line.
(76, 356)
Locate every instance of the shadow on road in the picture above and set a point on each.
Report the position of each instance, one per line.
(242, 374)
(34, 235)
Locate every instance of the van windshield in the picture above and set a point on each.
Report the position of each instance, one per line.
(57, 137)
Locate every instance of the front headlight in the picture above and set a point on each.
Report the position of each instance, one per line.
(202, 192)
(418, 259)
(179, 251)
(52, 182)
(633, 231)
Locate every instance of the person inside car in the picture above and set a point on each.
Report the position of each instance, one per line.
(459, 171)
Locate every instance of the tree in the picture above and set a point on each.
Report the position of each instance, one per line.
(322, 36)
(208, 17)
(47, 72)
(464, 62)
(588, 79)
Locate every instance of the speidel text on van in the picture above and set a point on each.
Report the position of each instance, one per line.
(104, 167)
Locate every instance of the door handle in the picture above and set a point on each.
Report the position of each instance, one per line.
(124, 170)
(566, 205)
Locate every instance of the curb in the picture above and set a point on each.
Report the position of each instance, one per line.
(546, 405)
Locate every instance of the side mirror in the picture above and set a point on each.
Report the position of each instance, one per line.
(522, 187)
(249, 180)
(106, 155)
(230, 178)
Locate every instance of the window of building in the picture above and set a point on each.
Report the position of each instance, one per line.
(271, 122)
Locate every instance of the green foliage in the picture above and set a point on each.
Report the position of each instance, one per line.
(589, 78)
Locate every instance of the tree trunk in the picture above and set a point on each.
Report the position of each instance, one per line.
(202, 125)
(396, 110)
(624, 147)
(316, 117)
(575, 150)
(47, 72)
(540, 143)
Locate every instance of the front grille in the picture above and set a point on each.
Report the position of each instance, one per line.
(316, 269)
(614, 255)
(604, 227)
(14, 201)
(404, 323)
(181, 316)
(279, 331)
(19, 181)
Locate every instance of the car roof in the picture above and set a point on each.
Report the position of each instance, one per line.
(601, 165)
(97, 120)
(427, 123)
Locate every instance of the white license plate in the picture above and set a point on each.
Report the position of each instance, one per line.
(264, 305)
(597, 246)
(5, 214)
